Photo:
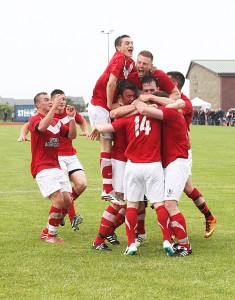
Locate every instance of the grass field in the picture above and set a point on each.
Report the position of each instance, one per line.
(32, 269)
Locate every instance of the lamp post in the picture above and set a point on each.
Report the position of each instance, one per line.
(108, 33)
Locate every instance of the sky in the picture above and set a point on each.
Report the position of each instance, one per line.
(51, 44)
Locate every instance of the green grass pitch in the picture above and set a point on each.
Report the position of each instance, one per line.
(32, 269)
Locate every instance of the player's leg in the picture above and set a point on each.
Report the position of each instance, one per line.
(176, 174)
(106, 222)
(78, 177)
(118, 167)
(134, 191)
(202, 206)
(99, 115)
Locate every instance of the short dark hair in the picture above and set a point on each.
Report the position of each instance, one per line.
(178, 77)
(36, 98)
(57, 92)
(148, 79)
(125, 84)
(119, 39)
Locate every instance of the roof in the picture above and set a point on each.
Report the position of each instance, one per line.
(220, 67)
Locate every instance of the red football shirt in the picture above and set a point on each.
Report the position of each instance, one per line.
(164, 82)
(175, 141)
(121, 67)
(66, 147)
(187, 110)
(119, 145)
(44, 145)
(143, 138)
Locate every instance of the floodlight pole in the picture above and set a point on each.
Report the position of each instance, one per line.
(108, 33)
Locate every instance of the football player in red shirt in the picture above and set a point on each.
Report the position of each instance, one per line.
(45, 134)
(68, 159)
(176, 171)
(120, 67)
(143, 171)
(114, 215)
(190, 190)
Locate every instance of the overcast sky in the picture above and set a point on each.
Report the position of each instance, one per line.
(50, 44)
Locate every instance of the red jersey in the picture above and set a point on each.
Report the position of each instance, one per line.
(164, 82)
(187, 110)
(143, 138)
(66, 146)
(120, 66)
(119, 146)
(44, 145)
(175, 141)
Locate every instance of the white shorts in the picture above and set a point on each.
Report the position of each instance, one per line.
(190, 160)
(176, 175)
(141, 179)
(52, 180)
(118, 169)
(70, 163)
(99, 115)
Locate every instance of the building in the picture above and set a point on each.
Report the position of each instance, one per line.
(213, 81)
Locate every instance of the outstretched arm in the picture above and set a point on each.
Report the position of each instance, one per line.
(23, 133)
(84, 128)
(101, 129)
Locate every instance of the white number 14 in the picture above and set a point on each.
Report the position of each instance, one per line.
(144, 125)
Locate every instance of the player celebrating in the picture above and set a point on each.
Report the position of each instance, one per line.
(119, 67)
(45, 134)
(191, 191)
(68, 159)
(143, 171)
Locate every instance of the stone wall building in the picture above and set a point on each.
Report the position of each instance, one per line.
(213, 81)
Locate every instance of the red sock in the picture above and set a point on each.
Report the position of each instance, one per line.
(64, 213)
(106, 171)
(54, 219)
(141, 221)
(200, 202)
(179, 226)
(71, 212)
(120, 219)
(164, 222)
(131, 224)
(74, 194)
(106, 223)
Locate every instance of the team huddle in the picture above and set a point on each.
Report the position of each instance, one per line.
(141, 119)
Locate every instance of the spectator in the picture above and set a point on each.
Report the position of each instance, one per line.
(217, 119)
(12, 116)
(5, 116)
(211, 120)
(221, 116)
(201, 117)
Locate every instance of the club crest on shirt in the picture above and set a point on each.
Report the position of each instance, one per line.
(169, 192)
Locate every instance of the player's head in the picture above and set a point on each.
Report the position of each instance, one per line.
(144, 62)
(124, 44)
(63, 98)
(127, 92)
(57, 92)
(42, 102)
(149, 84)
(177, 78)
